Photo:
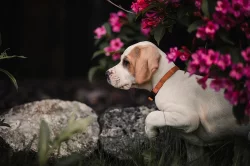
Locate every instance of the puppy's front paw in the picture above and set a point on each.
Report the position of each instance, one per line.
(151, 132)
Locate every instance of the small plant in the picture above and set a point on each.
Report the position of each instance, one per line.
(46, 146)
(3, 56)
(111, 39)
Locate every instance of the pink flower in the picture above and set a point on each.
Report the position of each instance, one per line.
(217, 84)
(116, 27)
(202, 81)
(199, 62)
(202, 61)
(151, 19)
(222, 6)
(204, 68)
(192, 68)
(247, 85)
(237, 71)
(116, 56)
(246, 71)
(145, 31)
(121, 14)
(108, 50)
(173, 54)
(211, 29)
(242, 97)
(223, 61)
(184, 54)
(100, 31)
(116, 44)
(237, 8)
(201, 33)
(247, 33)
(229, 85)
(198, 3)
(115, 21)
(211, 57)
(224, 21)
(244, 26)
(139, 5)
(246, 54)
(232, 96)
(246, 8)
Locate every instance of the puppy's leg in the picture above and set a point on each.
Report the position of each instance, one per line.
(156, 119)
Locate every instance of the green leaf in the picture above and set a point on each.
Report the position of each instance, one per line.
(9, 57)
(192, 27)
(92, 72)
(127, 30)
(224, 37)
(103, 45)
(97, 53)
(184, 21)
(233, 51)
(162, 161)
(125, 38)
(4, 55)
(204, 7)
(181, 12)
(98, 41)
(107, 27)
(170, 29)
(159, 33)
(12, 78)
(43, 143)
(103, 63)
(131, 17)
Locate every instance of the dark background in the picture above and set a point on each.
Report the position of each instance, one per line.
(57, 38)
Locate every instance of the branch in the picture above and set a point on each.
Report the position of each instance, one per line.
(118, 6)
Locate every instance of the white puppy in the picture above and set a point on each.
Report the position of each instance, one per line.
(202, 116)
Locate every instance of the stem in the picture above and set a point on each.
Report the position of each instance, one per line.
(118, 6)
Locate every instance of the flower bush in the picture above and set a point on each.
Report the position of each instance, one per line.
(220, 45)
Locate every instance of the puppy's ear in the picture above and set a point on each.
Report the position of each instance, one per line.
(147, 63)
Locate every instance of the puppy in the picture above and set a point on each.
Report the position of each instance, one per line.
(201, 116)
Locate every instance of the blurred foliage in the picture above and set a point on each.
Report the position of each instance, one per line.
(46, 146)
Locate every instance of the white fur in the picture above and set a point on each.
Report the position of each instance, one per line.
(202, 116)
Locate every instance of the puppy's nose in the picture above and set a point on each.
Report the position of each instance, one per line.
(107, 74)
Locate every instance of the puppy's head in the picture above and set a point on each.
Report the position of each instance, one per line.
(137, 65)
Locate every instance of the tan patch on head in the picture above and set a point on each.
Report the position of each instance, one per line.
(143, 62)
(132, 57)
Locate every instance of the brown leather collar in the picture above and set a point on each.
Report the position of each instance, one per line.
(161, 82)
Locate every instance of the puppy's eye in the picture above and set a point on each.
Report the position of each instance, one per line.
(125, 62)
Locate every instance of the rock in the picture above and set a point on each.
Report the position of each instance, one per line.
(25, 123)
(123, 129)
